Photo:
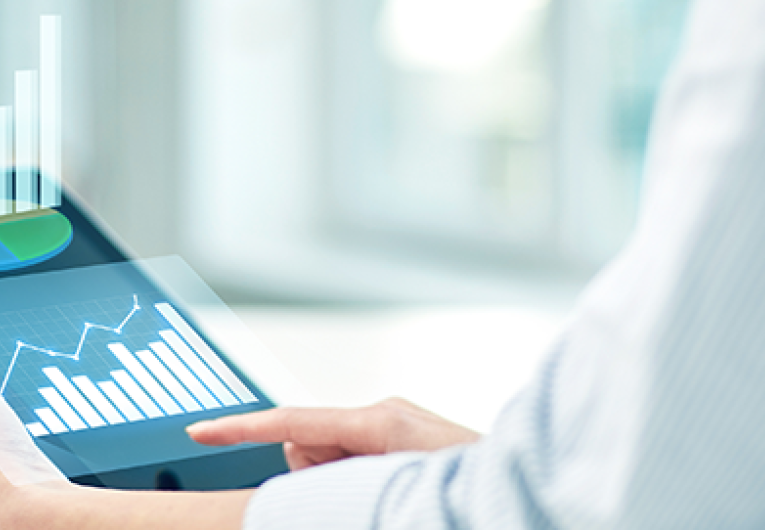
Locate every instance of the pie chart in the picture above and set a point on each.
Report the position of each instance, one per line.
(33, 237)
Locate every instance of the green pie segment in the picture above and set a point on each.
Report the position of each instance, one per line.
(32, 238)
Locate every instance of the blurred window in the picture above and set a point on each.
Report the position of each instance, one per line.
(507, 126)
(346, 147)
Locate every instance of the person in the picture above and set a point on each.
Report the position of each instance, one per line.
(648, 413)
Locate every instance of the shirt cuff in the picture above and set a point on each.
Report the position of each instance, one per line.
(345, 494)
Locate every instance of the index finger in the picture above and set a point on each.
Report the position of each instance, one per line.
(303, 426)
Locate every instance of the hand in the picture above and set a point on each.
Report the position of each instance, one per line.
(22, 467)
(321, 435)
(21, 462)
(34, 494)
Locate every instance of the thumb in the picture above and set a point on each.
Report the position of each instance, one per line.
(258, 427)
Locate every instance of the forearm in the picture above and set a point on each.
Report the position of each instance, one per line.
(69, 507)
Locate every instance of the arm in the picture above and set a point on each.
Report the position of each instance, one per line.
(393, 425)
(34, 495)
(65, 506)
(42, 498)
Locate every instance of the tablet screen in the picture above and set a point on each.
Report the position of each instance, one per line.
(101, 366)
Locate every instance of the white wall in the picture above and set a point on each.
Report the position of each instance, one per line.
(251, 170)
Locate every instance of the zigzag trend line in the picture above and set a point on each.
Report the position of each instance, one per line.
(21, 346)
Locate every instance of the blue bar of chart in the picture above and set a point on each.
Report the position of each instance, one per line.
(174, 374)
(30, 131)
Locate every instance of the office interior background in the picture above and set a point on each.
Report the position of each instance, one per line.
(397, 196)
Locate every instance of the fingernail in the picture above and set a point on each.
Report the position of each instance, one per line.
(196, 428)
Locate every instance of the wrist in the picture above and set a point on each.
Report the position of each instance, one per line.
(35, 506)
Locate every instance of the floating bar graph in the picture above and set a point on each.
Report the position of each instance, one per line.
(174, 375)
(30, 131)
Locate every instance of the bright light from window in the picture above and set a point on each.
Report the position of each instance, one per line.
(451, 35)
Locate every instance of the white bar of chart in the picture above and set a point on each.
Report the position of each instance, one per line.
(169, 380)
(196, 366)
(95, 396)
(138, 396)
(27, 140)
(177, 375)
(51, 421)
(206, 353)
(121, 401)
(73, 396)
(185, 375)
(37, 429)
(6, 160)
(140, 374)
(62, 408)
(50, 111)
(31, 130)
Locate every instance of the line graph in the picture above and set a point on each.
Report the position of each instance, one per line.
(87, 328)
(108, 370)
(151, 365)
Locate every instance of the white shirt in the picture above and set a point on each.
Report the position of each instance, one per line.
(650, 413)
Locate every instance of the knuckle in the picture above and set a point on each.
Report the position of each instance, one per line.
(391, 416)
(287, 420)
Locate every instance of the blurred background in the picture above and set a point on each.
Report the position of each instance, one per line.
(397, 196)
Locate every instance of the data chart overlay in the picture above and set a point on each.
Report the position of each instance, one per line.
(111, 362)
(106, 370)
(30, 130)
(32, 238)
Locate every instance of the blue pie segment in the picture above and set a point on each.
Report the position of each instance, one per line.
(7, 258)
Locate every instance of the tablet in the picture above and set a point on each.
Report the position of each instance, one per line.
(106, 366)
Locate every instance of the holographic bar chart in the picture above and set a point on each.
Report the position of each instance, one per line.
(30, 131)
